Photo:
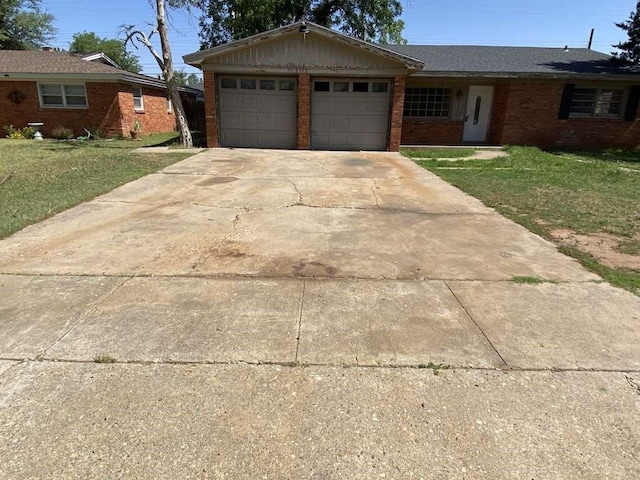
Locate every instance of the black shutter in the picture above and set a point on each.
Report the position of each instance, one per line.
(632, 103)
(565, 103)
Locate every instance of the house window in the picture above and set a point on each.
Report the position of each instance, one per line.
(427, 102)
(62, 96)
(169, 105)
(138, 99)
(596, 102)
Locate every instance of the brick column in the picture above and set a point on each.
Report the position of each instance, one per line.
(304, 111)
(397, 109)
(211, 115)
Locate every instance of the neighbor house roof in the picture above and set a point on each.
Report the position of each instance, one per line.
(469, 60)
(36, 64)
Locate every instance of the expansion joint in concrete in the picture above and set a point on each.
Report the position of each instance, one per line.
(477, 325)
(89, 312)
(345, 366)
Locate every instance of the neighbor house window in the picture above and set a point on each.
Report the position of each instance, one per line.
(596, 102)
(169, 105)
(138, 99)
(427, 102)
(62, 95)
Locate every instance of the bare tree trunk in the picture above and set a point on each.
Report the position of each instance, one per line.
(167, 70)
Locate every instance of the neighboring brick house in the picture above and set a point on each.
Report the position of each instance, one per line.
(75, 91)
(305, 86)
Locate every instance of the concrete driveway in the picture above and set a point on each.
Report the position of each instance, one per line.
(289, 315)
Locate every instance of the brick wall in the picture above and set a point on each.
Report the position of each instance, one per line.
(431, 132)
(110, 110)
(211, 115)
(154, 118)
(304, 111)
(498, 113)
(397, 108)
(530, 117)
(103, 112)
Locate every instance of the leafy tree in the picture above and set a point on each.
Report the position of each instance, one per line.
(89, 42)
(630, 49)
(23, 25)
(373, 20)
(184, 78)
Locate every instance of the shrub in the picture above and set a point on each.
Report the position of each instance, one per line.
(62, 133)
(19, 134)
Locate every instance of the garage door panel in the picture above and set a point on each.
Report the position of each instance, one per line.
(350, 120)
(255, 118)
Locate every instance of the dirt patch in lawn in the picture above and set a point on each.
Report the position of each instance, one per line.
(602, 246)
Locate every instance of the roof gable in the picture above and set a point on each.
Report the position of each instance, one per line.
(287, 47)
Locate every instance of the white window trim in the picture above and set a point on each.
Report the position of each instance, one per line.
(623, 102)
(169, 105)
(64, 97)
(141, 107)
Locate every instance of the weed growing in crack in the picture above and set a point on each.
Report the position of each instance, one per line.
(435, 367)
(527, 280)
(102, 358)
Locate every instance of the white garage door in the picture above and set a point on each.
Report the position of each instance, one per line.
(350, 114)
(257, 112)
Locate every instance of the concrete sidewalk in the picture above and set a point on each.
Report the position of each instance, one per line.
(308, 315)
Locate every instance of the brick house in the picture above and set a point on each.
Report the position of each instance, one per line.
(305, 86)
(76, 91)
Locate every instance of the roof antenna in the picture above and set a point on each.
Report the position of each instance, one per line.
(591, 38)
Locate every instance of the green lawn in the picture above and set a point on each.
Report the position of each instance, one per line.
(40, 179)
(433, 153)
(584, 192)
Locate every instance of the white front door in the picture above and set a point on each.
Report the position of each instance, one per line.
(476, 122)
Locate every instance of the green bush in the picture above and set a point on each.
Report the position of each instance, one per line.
(19, 133)
(62, 133)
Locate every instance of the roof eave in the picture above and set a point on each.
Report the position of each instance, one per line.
(123, 76)
(529, 75)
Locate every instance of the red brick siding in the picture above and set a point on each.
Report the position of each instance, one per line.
(431, 132)
(531, 118)
(211, 114)
(397, 108)
(304, 111)
(154, 118)
(110, 110)
(103, 111)
(498, 113)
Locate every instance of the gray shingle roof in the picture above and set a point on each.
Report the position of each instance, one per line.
(458, 59)
(34, 62)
